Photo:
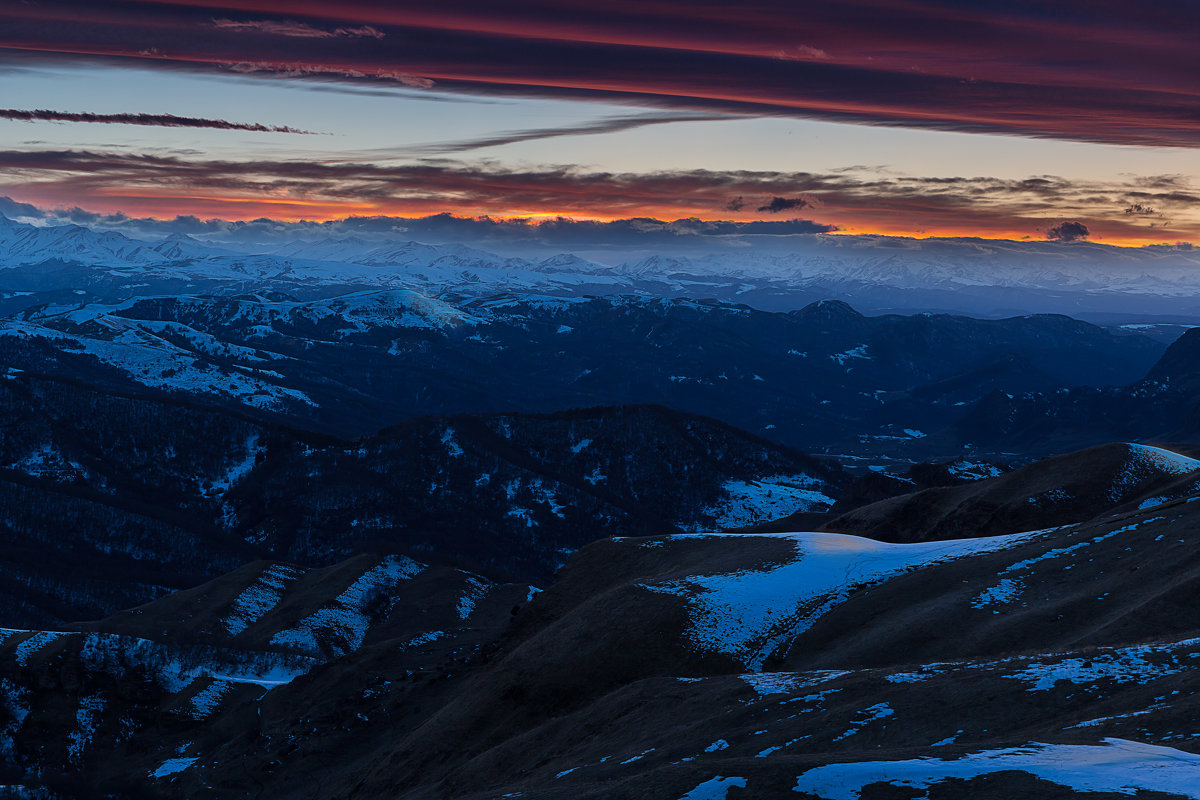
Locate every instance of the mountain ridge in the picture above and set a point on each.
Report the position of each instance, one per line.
(163, 494)
(351, 364)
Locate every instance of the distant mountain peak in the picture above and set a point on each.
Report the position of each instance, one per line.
(829, 310)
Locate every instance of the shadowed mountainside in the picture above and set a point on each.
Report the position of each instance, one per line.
(111, 501)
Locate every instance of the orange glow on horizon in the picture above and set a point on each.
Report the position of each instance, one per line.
(249, 209)
(165, 205)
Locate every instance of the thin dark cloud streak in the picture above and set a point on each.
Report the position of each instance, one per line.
(1104, 72)
(156, 120)
(607, 125)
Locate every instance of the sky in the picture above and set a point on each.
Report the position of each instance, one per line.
(1018, 120)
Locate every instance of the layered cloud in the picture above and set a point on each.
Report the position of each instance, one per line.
(525, 236)
(150, 185)
(1107, 72)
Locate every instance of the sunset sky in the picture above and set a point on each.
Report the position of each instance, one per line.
(999, 120)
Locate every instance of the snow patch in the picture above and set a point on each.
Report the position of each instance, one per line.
(1118, 766)
(752, 501)
(341, 626)
(87, 719)
(769, 683)
(475, 590)
(1148, 462)
(208, 699)
(237, 469)
(859, 352)
(260, 597)
(750, 613)
(973, 470)
(452, 446)
(714, 789)
(1129, 665)
(869, 715)
(1009, 588)
(172, 766)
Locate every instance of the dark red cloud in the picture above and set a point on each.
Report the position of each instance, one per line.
(1096, 71)
(157, 120)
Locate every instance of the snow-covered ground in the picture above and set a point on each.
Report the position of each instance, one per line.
(1145, 462)
(152, 361)
(749, 613)
(748, 502)
(1118, 766)
(342, 625)
(260, 597)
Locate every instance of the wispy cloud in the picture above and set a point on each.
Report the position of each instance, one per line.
(606, 125)
(157, 120)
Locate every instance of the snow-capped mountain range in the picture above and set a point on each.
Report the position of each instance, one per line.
(976, 276)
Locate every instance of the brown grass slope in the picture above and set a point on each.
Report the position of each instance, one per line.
(1055, 491)
(607, 686)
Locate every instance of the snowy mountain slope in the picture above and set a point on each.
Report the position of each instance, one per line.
(22, 245)
(168, 357)
(110, 264)
(1065, 672)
